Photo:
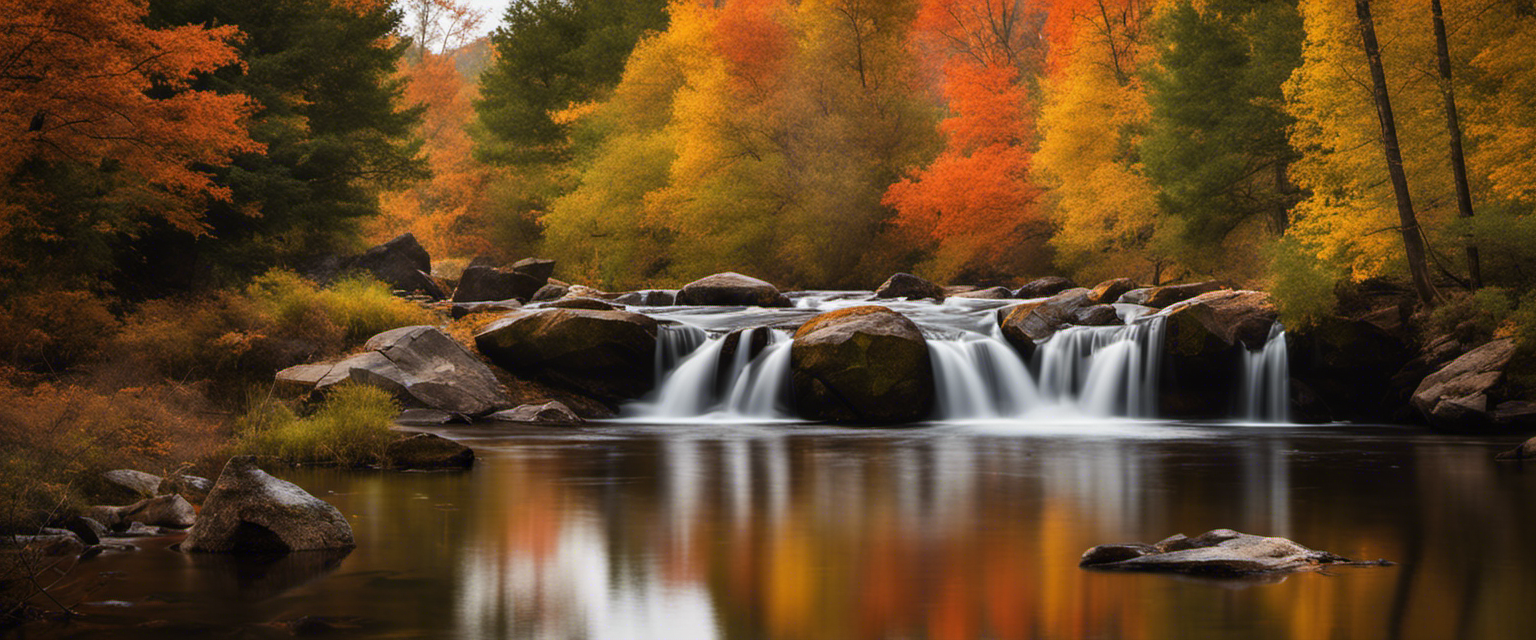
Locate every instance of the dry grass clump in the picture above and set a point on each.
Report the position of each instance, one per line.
(351, 428)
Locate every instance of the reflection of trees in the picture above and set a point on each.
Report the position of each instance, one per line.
(931, 536)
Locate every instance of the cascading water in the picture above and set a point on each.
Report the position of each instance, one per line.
(1104, 371)
(1267, 380)
(754, 385)
(731, 365)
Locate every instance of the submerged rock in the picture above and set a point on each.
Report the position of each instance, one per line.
(731, 289)
(428, 451)
(1526, 451)
(606, 354)
(1218, 553)
(250, 512)
(862, 364)
(552, 412)
(906, 285)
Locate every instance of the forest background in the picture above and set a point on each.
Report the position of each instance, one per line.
(168, 168)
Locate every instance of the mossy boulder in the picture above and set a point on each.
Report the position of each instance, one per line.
(608, 355)
(861, 365)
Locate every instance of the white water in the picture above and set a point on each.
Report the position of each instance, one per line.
(1096, 372)
(1267, 380)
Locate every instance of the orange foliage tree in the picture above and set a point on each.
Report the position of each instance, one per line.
(85, 82)
(976, 200)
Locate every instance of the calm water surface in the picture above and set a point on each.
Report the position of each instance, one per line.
(798, 532)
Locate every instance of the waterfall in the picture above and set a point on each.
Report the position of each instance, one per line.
(1105, 371)
(741, 385)
(976, 376)
(673, 343)
(1267, 380)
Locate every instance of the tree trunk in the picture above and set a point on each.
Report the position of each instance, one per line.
(1413, 241)
(1453, 126)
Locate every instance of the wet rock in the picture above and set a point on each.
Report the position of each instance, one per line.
(1457, 396)
(990, 293)
(250, 512)
(1109, 291)
(461, 309)
(140, 530)
(540, 269)
(484, 284)
(161, 511)
(1164, 296)
(1526, 451)
(906, 285)
(731, 289)
(550, 292)
(1031, 322)
(89, 530)
(138, 483)
(422, 367)
(402, 264)
(1202, 344)
(569, 302)
(608, 355)
(1218, 553)
(648, 298)
(552, 412)
(430, 418)
(1043, 287)
(861, 365)
(1098, 315)
(428, 451)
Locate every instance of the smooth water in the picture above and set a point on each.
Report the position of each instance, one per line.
(938, 531)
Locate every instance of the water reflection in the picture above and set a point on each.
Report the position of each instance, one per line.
(931, 533)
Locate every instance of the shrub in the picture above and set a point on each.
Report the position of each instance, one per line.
(351, 427)
(1472, 317)
(54, 330)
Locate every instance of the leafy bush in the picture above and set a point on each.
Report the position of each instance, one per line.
(351, 427)
(56, 439)
(356, 306)
(1472, 317)
(54, 330)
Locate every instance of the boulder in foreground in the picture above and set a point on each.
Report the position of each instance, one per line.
(862, 365)
(1217, 553)
(731, 289)
(250, 512)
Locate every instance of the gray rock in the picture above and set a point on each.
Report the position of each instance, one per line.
(402, 264)
(461, 309)
(570, 302)
(144, 485)
(484, 284)
(1043, 287)
(160, 511)
(428, 451)
(250, 512)
(1096, 316)
(861, 365)
(731, 289)
(549, 292)
(906, 285)
(1456, 396)
(540, 269)
(552, 412)
(422, 367)
(1219, 553)
(194, 488)
(1031, 322)
(608, 355)
(648, 298)
(990, 293)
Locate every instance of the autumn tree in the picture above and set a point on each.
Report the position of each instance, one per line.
(105, 134)
(328, 110)
(1101, 204)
